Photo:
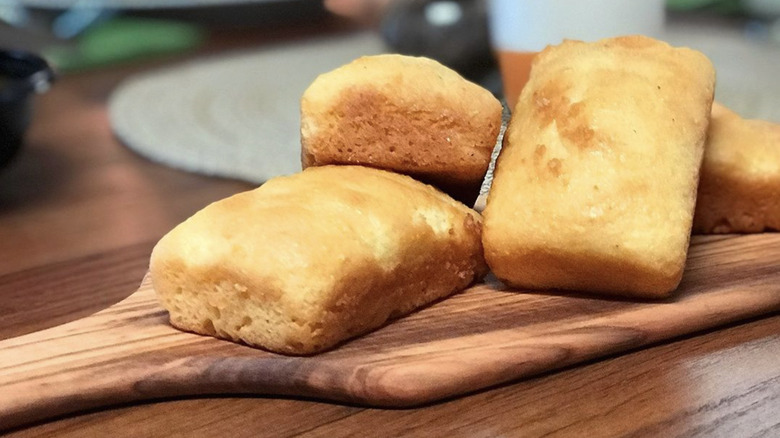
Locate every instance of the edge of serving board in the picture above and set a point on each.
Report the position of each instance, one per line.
(477, 339)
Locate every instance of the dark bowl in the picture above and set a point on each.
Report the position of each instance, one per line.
(21, 75)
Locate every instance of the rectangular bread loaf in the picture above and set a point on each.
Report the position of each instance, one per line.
(739, 191)
(410, 115)
(309, 260)
(595, 187)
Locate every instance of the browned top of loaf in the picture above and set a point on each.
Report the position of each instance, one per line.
(747, 149)
(406, 114)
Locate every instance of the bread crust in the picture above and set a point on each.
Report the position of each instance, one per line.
(595, 186)
(739, 191)
(307, 261)
(407, 114)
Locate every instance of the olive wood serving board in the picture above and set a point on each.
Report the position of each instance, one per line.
(482, 337)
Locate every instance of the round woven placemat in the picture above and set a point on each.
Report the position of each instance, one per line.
(235, 116)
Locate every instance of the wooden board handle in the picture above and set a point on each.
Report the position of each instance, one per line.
(126, 353)
(80, 364)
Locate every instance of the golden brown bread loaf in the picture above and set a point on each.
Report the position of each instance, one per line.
(739, 190)
(405, 114)
(594, 189)
(309, 260)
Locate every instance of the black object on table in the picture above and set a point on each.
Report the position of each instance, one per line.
(21, 75)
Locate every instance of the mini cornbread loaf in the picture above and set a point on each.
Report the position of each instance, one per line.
(309, 260)
(401, 113)
(595, 187)
(739, 190)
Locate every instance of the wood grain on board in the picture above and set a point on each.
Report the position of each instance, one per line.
(480, 338)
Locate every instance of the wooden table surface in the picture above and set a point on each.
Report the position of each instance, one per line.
(79, 215)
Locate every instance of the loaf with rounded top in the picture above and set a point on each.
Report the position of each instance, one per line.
(406, 114)
(739, 191)
(594, 189)
(309, 260)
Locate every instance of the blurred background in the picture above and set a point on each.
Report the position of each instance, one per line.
(75, 35)
(198, 78)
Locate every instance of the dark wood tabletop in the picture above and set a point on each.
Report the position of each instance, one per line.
(80, 213)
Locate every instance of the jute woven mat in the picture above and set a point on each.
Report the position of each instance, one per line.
(235, 116)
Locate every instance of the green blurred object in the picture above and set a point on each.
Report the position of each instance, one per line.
(123, 39)
(718, 6)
